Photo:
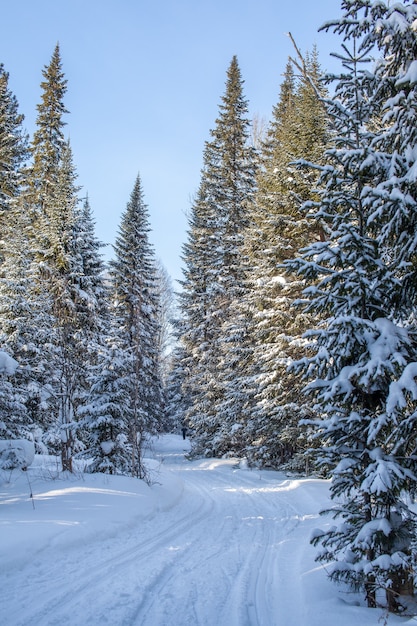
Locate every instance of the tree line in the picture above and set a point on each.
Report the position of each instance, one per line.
(88, 338)
(296, 339)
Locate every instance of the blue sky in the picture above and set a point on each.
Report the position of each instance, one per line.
(145, 78)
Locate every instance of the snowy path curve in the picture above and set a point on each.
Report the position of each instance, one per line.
(231, 551)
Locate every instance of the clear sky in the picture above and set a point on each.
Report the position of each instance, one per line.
(145, 78)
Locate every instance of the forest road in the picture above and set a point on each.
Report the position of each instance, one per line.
(231, 552)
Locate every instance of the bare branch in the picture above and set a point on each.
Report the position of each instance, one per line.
(302, 67)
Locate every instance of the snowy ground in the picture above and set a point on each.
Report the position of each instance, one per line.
(209, 544)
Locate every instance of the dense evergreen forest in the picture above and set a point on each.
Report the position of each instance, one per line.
(295, 335)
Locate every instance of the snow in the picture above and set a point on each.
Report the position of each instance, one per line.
(406, 382)
(16, 453)
(385, 346)
(107, 446)
(209, 542)
(8, 365)
(410, 77)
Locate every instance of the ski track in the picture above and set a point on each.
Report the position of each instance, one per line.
(223, 551)
(92, 573)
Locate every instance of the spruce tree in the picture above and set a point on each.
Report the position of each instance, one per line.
(38, 202)
(364, 353)
(135, 309)
(298, 130)
(392, 204)
(13, 148)
(61, 280)
(48, 139)
(20, 334)
(198, 329)
(14, 419)
(66, 267)
(214, 273)
(106, 414)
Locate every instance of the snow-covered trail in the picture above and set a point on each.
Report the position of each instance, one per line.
(228, 547)
(234, 566)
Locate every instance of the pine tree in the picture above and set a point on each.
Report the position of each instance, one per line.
(393, 200)
(66, 266)
(13, 148)
(19, 333)
(14, 419)
(48, 140)
(135, 298)
(37, 355)
(361, 348)
(61, 279)
(88, 272)
(298, 130)
(108, 412)
(20, 329)
(198, 328)
(392, 205)
(214, 271)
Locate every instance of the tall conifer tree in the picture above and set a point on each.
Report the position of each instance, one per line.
(362, 374)
(14, 419)
(13, 147)
(48, 140)
(39, 200)
(135, 308)
(214, 271)
(298, 130)
(68, 291)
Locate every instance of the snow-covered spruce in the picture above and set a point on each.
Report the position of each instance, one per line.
(363, 289)
(136, 320)
(214, 277)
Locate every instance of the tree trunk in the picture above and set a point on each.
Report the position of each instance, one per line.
(402, 585)
(370, 591)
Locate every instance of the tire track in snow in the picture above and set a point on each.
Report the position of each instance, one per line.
(215, 558)
(245, 571)
(252, 602)
(95, 576)
(178, 585)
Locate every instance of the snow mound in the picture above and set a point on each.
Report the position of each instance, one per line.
(16, 453)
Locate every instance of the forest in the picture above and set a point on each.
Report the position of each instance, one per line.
(294, 337)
